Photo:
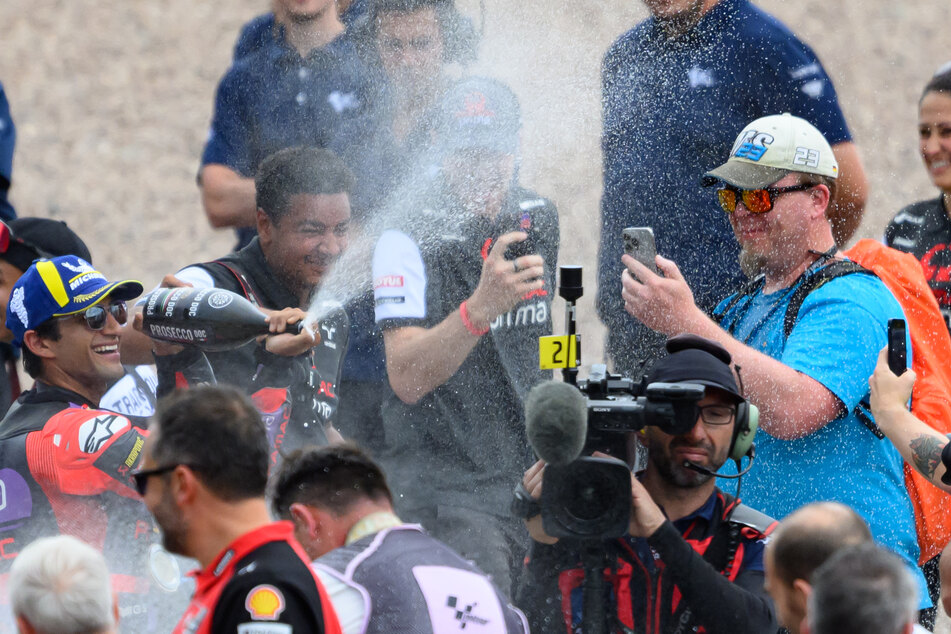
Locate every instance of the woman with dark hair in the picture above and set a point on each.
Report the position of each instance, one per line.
(924, 228)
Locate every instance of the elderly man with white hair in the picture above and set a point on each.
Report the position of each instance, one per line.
(60, 585)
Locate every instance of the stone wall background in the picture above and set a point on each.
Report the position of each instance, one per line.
(112, 102)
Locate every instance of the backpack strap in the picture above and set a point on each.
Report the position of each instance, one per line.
(746, 291)
(816, 280)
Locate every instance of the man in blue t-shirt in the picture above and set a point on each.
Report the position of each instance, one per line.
(810, 385)
(307, 87)
(675, 91)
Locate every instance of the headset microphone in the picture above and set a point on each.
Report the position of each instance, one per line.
(751, 452)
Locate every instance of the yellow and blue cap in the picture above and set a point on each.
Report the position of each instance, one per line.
(57, 287)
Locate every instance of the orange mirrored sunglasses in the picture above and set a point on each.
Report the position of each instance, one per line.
(757, 201)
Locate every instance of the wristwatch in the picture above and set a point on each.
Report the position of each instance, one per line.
(523, 505)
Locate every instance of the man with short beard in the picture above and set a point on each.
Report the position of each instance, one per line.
(693, 555)
(675, 89)
(209, 503)
(807, 366)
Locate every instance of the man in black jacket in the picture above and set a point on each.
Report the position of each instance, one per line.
(462, 287)
(303, 226)
(693, 555)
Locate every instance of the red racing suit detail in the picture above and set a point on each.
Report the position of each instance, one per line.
(262, 577)
(65, 468)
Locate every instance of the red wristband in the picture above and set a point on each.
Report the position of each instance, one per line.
(464, 314)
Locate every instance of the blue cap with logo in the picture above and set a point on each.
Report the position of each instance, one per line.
(61, 286)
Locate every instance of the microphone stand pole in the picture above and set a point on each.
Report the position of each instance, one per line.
(570, 289)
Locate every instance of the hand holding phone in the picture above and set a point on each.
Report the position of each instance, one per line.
(897, 349)
(639, 244)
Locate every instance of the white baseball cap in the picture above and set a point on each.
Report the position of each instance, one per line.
(770, 147)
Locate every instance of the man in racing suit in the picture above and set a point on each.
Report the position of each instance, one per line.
(65, 464)
(303, 227)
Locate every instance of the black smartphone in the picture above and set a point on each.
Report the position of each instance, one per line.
(639, 244)
(897, 348)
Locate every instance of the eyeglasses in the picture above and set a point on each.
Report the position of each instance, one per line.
(757, 201)
(717, 414)
(7, 237)
(141, 477)
(95, 316)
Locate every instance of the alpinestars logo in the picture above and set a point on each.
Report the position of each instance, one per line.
(93, 434)
(464, 614)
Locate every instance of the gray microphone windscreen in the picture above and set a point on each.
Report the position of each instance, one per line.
(556, 420)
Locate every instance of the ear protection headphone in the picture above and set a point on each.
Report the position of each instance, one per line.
(744, 429)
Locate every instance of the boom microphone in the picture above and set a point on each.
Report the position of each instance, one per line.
(699, 469)
(556, 420)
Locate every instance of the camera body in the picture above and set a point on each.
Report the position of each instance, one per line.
(590, 498)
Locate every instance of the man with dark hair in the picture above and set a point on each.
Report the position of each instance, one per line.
(414, 41)
(865, 589)
(210, 506)
(804, 540)
(692, 558)
(382, 575)
(66, 463)
(462, 284)
(307, 86)
(23, 240)
(303, 222)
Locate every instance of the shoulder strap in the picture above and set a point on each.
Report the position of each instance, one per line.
(818, 279)
(242, 280)
(744, 515)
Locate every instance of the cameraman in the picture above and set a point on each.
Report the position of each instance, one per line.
(693, 556)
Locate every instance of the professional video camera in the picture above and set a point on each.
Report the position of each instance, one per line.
(589, 498)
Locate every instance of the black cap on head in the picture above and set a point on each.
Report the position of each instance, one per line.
(693, 359)
(33, 235)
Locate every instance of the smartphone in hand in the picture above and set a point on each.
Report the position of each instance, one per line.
(897, 347)
(639, 244)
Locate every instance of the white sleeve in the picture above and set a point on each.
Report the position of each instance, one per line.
(349, 603)
(196, 276)
(399, 278)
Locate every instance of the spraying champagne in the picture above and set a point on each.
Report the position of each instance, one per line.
(208, 318)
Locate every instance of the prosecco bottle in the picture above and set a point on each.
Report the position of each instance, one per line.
(208, 318)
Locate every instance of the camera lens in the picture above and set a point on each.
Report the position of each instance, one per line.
(592, 495)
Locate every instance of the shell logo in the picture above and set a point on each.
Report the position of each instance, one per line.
(264, 603)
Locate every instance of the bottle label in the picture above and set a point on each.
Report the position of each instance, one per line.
(177, 334)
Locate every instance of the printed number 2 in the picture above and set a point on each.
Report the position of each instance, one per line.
(555, 357)
(806, 156)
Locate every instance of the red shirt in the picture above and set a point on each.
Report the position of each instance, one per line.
(261, 583)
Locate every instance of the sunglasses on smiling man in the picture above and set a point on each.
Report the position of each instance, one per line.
(756, 201)
(95, 316)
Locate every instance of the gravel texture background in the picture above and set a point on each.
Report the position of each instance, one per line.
(112, 102)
